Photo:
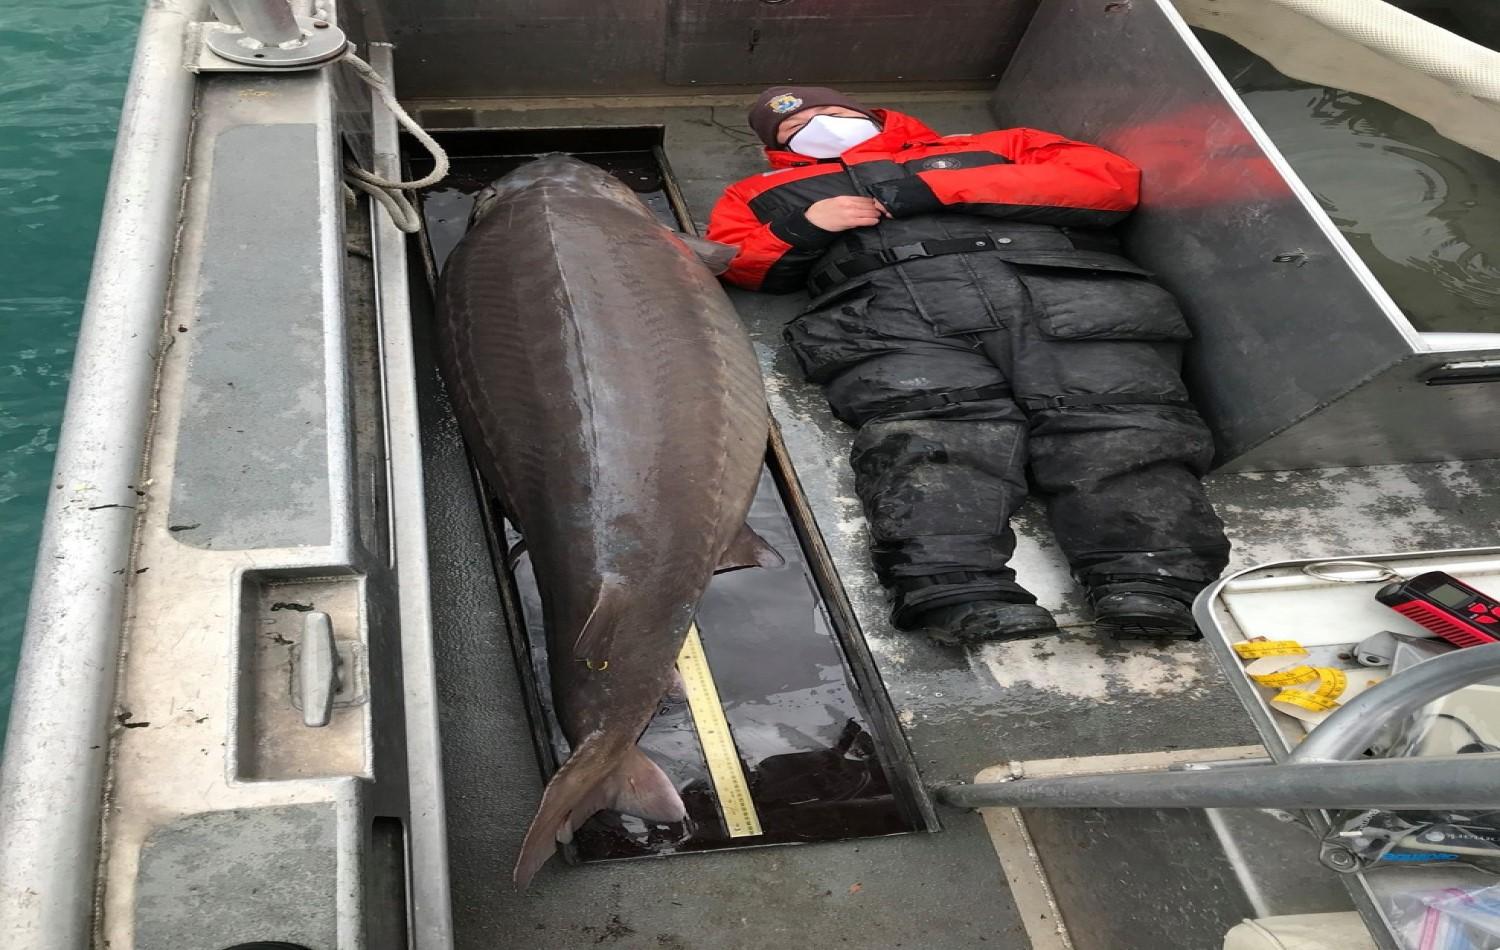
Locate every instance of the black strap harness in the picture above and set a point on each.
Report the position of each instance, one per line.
(847, 268)
(956, 397)
(1100, 399)
(960, 397)
(949, 579)
(830, 275)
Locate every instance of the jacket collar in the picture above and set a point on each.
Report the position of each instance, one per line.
(897, 130)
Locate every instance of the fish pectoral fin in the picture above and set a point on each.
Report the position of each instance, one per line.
(715, 256)
(597, 637)
(639, 787)
(596, 777)
(748, 549)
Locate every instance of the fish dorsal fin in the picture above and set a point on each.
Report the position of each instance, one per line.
(715, 256)
(748, 549)
(598, 634)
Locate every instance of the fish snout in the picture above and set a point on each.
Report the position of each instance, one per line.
(555, 169)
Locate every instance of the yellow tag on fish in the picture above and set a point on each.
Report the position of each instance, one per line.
(724, 769)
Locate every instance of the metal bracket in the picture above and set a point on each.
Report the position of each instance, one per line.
(1338, 858)
(263, 35)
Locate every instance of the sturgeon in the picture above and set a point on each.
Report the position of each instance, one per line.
(611, 396)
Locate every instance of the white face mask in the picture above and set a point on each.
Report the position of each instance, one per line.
(829, 136)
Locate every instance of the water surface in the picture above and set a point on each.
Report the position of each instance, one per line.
(1422, 211)
(63, 65)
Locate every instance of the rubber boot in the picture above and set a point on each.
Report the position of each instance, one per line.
(987, 621)
(1143, 610)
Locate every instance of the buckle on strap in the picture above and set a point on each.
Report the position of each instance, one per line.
(829, 275)
(910, 252)
(825, 279)
(953, 397)
(904, 252)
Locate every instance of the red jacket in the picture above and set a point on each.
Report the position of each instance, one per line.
(1020, 174)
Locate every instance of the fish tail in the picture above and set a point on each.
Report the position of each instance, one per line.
(598, 776)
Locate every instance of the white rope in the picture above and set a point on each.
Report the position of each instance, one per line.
(403, 215)
(1411, 41)
(388, 192)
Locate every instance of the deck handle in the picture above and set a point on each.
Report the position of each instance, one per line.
(317, 668)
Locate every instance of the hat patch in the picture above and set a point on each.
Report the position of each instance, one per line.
(784, 103)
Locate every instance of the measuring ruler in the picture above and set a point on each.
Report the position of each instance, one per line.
(724, 769)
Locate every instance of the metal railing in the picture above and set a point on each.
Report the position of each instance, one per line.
(51, 783)
(1322, 772)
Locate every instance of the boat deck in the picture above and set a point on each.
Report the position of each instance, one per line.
(225, 727)
(1121, 880)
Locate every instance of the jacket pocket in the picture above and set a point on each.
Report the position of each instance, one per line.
(1097, 299)
(834, 333)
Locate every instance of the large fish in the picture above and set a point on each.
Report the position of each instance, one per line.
(612, 397)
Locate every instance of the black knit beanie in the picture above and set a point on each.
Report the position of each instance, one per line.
(778, 102)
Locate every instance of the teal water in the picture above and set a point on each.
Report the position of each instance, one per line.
(63, 65)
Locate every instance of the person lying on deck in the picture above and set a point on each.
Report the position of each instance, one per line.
(973, 315)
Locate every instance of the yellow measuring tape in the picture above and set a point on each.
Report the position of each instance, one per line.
(1272, 663)
(724, 768)
(1291, 677)
(1324, 697)
(1255, 649)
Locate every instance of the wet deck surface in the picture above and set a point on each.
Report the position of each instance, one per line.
(963, 709)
